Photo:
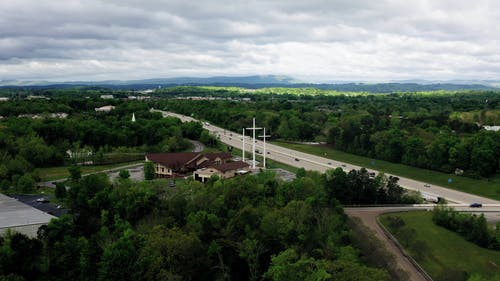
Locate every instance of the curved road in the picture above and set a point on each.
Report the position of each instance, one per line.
(312, 162)
(368, 217)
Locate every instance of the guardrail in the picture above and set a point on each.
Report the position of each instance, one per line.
(400, 247)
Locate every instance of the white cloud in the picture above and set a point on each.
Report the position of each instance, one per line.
(320, 40)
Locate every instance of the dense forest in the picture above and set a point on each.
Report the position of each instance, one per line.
(246, 228)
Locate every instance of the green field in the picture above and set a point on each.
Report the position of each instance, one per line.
(447, 251)
(55, 173)
(487, 188)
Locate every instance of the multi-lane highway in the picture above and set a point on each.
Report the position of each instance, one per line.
(312, 162)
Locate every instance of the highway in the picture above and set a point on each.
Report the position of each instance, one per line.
(316, 163)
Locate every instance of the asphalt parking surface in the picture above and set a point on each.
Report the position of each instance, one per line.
(47, 207)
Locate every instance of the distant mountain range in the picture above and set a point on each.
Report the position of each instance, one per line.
(262, 81)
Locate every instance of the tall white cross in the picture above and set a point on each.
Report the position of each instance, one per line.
(264, 136)
(243, 147)
(253, 142)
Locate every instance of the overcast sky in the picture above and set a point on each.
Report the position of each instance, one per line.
(311, 40)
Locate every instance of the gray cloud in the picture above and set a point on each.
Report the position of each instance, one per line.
(315, 39)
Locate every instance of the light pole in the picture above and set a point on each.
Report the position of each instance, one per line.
(243, 147)
(264, 136)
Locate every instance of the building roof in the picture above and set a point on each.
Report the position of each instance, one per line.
(230, 166)
(14, 213)
(173, 160)
(221, 155)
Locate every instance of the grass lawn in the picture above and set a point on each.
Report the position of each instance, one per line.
(271, 164)
(55, 173)
(487, 188)
(447, 249)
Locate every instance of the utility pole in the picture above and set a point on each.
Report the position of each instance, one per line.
(253, 141)
(264, 136)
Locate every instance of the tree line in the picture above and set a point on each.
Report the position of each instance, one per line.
(472, 227)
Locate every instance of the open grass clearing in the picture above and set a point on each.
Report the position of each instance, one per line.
(61, 172)
(447, 253)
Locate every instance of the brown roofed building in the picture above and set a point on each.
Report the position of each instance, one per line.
(224, 170)
(178, 164)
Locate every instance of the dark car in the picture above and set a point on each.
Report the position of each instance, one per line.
(476, 205)
(296, 159)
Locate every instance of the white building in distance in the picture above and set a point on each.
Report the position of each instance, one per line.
(106, 108)
(492, 128)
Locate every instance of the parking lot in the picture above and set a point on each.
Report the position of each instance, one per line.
(43, 205)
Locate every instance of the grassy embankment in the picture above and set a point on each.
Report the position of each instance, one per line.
(61, 172)
(447, 253)
(482, 187)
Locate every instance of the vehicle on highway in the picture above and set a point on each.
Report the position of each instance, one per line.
(268, 152)
(476, 205)
(42, 200)
(427, 185)
(297, 159)
(329, 163)
(343, 165)
(371, 174)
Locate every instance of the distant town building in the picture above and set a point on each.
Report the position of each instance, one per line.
(148, 91)
(61, 115)
(492, 128)
(31, 97)
(4, 98)
(107, 97)
(106, 108)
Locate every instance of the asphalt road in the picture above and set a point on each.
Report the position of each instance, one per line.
(198, 146)
(368, 217)
(312, 162)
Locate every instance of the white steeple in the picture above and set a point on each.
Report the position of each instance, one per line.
(133, 117)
